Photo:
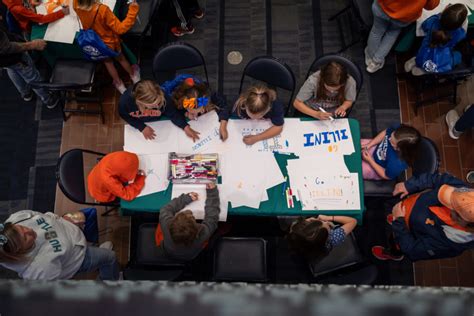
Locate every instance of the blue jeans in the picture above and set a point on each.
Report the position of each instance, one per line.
(22, 74)
(465, 121)
(383, 34)
(103, 260)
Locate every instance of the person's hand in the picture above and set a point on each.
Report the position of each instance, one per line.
(398, 210)
(65, 9)
(320, 115)
(38, 44)
(250, 139)
(194, 196)
(149, 133)
(400, 188)
(325, 218)
(223, 132)
(191, 133)
(210, 186)
(366, 155)
(132, 2)
(141, 172)
(341, 111)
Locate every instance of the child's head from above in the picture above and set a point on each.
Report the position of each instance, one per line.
(15, 242)
(333, 78)
(148, 95)
(192, 96)
(406, 139)
(183, 228)
(308, 237)
(256, 101)
(452, 18)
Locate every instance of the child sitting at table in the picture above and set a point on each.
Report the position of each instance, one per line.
(103, 21)
(116, 176)
(178, 233)
(315, 237)
(257, 102)
(192, 97)
(146, 102)
(326, 93)
(389, 153)
(24, 13)
(443, 32)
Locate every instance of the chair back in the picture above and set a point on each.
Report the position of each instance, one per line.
(427, 160)
(272, 71)
(352, 68)
(70, 175)
(175, 56)
(340, 257)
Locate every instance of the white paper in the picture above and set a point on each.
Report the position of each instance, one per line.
(197, 207)
(156, 170)
(425, 14)
(166, 139)
(209, 138)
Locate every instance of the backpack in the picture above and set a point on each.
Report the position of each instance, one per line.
(92, 45)
(435, 59)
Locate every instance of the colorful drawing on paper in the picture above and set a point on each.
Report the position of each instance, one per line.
(268, 145)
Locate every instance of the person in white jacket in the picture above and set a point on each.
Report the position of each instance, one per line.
(47, 247)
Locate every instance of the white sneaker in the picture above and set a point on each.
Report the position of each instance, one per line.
(451, 118)
(373, 66)
(409, 64)
(136, 74)
(368, 60)
(107, 245)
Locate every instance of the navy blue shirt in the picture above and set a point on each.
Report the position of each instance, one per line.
(387, 157)
(129, 111)
(276, 113)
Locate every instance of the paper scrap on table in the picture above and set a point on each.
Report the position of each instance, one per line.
(156, 170)
(425, 14)
(197, 207)
(164, 142)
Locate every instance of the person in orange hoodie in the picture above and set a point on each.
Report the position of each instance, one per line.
(110, 178)
(390, 16)
(109, 28)
(24, 15)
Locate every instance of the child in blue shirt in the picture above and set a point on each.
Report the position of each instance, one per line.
(389, 153)
(443, 32)
(315, 237)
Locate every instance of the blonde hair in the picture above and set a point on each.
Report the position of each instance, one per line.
(86, 4)
(148, 92)
(11, 251)
(256, 99)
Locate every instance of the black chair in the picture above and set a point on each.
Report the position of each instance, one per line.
(427, 161)
(240, 259)
(272, 71)
(74, 80)
(342, 256)
(142, 28)
(175, 56)
(353, 22)
(70, 177)
(352, 69)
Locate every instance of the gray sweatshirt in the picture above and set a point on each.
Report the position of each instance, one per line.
(209, 225)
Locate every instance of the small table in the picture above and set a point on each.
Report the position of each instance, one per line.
(276, 203)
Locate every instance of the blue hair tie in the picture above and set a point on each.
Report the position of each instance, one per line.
(203, 101)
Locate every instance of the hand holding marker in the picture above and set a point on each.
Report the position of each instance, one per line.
(324, 111)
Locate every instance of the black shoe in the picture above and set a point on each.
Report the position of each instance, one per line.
(28, 97)
(53, 102)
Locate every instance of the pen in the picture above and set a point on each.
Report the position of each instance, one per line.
(284, 186)
(324, 111)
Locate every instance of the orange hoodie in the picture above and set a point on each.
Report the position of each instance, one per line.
(106, 24)
(25, 16)
(406, 10)
(106, 181)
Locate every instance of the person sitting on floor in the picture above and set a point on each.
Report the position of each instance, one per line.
(108, 27)
(391, 152)
(47, 247)
(178, 235)
(443, 32)
(146, 102)
(111, 178)
(24, 13)
(326, 93)
(315, 237)
(436, 223)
